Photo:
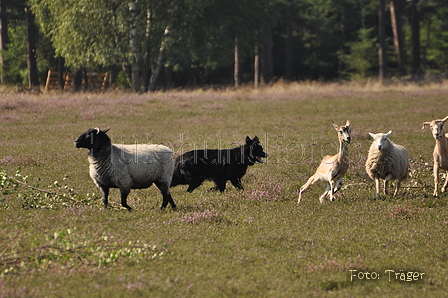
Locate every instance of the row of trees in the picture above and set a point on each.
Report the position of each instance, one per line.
(153, 43)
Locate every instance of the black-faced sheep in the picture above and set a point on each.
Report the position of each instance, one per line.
(127, 166)
(387, 161)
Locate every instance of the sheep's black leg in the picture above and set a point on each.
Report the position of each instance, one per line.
(170, 200)
(165, 190)
(105, 195)
(124, 195)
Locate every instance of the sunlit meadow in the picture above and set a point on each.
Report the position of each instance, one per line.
(56, 240)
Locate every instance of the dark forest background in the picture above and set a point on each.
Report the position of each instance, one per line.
(147, 45)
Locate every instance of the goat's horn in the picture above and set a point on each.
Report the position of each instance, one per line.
(97, 130)
(444, 119)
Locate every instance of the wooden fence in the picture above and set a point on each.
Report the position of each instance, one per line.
(94, 80)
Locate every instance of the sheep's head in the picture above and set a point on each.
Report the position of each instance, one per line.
(344, 131)
(93, 138)
(436, 127)
(380, 140)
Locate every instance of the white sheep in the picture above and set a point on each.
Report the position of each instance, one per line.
(127, 166)
(440, 153)
(387, 161)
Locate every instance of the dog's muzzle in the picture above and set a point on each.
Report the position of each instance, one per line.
(258, 158)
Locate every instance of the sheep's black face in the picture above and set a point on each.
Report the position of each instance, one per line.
(254, 151)
(86, 140)
(93, 138)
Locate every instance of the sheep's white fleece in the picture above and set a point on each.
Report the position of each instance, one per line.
(392, 160)
(132, 166)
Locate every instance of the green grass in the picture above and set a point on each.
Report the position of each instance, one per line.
(255, 243)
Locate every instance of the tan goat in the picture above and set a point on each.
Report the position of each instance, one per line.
(333, 167)
(440, 153)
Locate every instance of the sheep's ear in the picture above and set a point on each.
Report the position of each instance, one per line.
(372, 135)
(425, 123)
(389, 133)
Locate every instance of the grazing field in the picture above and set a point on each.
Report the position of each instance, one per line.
(56, 240)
